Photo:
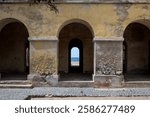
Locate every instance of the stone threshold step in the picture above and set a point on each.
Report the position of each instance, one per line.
(137, 84)
(16, 86)
(15, 82)
(79, 81)
(76, 83)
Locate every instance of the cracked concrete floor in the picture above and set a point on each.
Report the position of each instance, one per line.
(91, 98)
(22, 94)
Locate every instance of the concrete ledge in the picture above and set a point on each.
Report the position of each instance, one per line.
(14, 1)
(16, 86)
(76, 84)
(51, 38)
(108, 81)
(96, 39)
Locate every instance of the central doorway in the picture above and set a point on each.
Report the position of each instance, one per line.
(76, 52)
(75, 56)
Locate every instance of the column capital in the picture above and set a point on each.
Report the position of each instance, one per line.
(96, 39)
(50, 38)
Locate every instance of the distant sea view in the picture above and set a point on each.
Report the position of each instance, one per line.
(75, 59)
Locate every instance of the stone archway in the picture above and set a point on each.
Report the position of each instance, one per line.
(137, 54)
(14, 50)
(79, 35)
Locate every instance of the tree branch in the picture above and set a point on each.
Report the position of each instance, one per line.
(50, 3)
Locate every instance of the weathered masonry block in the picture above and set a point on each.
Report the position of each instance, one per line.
(108, 62)
(43, 60)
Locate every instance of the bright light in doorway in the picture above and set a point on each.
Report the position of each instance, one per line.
(75, 56)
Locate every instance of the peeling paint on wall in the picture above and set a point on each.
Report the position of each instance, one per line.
(122, 13)
(107, 20)
(43, 63)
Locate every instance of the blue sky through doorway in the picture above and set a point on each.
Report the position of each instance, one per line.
(75, 56)
(75, 52)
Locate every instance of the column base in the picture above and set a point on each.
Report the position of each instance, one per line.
(52, 80)
(38, 80)
(35, 78)
(108, 81)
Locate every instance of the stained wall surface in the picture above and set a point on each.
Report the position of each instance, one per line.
(106, 21)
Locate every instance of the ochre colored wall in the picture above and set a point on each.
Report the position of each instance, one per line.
(43, 57)
(107, 20)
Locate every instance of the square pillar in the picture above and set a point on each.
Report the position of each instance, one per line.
(108, 62)
(44, 60)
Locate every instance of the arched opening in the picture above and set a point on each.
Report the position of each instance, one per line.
(75, 56)
(136, 52)
(79, 36)
(14, 50)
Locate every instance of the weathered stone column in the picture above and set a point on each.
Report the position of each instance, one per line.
(43, 60)
(108, 62)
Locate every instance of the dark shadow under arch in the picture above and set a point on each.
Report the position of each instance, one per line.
(76, 20)
(125, 58)
(14, 51)
(136, 49)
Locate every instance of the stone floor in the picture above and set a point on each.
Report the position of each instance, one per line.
(28, 93)
(91, 98)
(21, 94)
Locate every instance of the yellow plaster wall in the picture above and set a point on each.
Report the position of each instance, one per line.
(43, 59)
(107, 20)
